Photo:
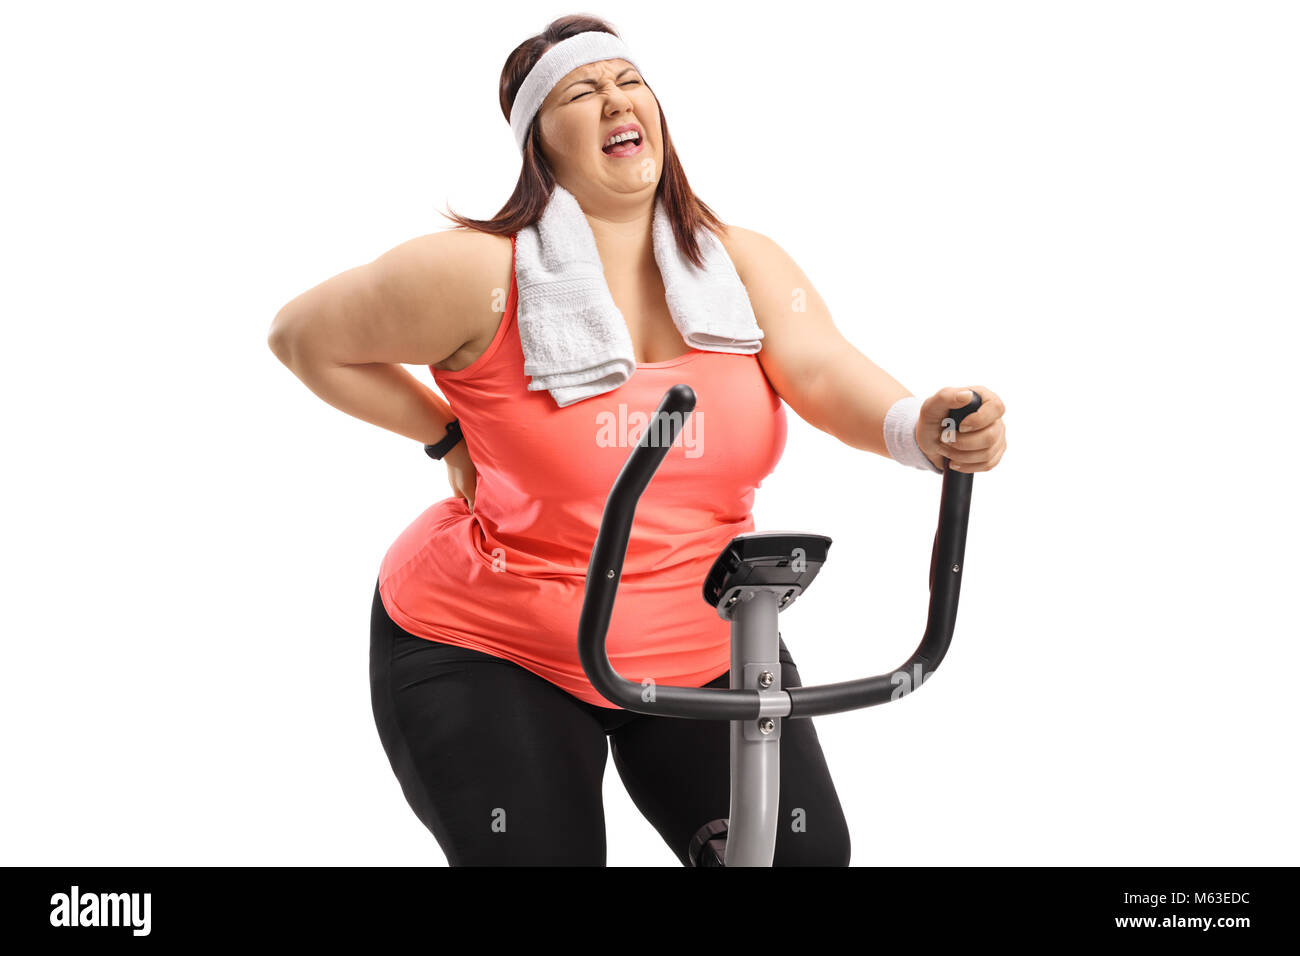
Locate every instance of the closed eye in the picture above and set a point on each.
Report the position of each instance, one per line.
(581, 95)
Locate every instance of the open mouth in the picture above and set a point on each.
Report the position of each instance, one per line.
(625, 144)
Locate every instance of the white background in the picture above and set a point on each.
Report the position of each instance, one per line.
(1090, 208)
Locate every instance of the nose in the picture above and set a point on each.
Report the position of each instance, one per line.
(617, 101)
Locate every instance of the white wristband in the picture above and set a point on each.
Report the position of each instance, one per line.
(900, 434)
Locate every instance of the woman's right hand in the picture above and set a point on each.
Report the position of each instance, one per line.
(461, 473)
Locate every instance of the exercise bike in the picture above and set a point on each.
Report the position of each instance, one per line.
(757, 575)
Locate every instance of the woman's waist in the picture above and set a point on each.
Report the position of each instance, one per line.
(565, 549)
(537, 546)
(541, 616)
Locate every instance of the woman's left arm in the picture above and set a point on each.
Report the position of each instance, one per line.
(833, 386)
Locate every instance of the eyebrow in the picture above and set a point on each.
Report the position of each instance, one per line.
(593, 82)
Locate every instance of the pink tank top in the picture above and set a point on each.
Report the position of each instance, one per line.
(508, 580)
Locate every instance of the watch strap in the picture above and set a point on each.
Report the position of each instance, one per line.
(448, 441)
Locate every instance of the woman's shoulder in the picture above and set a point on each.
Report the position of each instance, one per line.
(480, 269)
(750, 251)
(479, 261)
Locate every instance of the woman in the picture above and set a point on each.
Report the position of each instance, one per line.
(498, 740)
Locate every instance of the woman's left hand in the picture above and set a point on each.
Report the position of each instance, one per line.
(978, 443)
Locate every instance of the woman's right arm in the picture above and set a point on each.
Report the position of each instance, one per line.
(417, 304)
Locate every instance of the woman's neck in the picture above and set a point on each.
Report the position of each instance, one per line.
(624, 241)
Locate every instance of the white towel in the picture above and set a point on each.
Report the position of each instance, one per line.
(574, 339)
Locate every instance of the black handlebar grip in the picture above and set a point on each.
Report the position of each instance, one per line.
(958, 415)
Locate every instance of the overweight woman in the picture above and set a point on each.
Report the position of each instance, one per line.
(498, 740)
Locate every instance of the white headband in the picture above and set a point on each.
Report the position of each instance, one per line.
(578, 50)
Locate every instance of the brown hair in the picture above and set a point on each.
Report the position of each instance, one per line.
(536, 180)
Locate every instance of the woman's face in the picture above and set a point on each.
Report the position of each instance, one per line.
(579, 115)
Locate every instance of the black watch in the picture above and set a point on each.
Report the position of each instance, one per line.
(448, 442)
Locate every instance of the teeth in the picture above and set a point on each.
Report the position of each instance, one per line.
(623, 137)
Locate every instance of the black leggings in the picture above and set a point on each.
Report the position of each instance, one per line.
(505, 768)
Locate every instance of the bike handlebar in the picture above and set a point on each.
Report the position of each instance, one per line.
(708, 703)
